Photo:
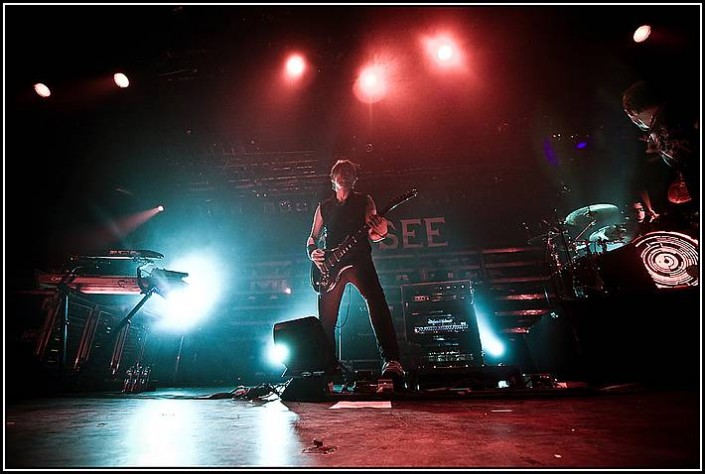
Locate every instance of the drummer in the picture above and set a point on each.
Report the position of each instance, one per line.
(640, 220)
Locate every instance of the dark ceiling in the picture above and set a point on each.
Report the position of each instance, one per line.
(201, 76)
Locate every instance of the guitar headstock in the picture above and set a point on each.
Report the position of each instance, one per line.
(412, 193)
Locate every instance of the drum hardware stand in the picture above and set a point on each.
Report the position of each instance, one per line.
(558, 228)
(579, 290)
(592, 223)
(599, 284)
(552, 253)
(570, 266)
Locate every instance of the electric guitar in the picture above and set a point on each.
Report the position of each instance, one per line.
(326, 278)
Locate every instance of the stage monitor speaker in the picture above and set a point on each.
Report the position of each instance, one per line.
(308, 350)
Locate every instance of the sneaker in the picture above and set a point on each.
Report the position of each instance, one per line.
(392, 368)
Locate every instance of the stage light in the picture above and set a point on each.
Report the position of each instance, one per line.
(444, 53)
(167, 281)
(42, 90)
(189, 304)
(308, 352)
(278, 353)
(309, 359)
(642, 33)
(295, 66)
(159, 280)
(121, 80)
(492, 346)
(371, 85)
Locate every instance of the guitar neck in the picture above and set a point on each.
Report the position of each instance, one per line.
(336, 255)
(366, 227)
(362, 231)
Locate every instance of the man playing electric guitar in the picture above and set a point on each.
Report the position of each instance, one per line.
(336, 219)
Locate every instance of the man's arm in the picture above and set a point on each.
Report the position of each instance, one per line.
(378, 224)
(646, 199)
(315, 254)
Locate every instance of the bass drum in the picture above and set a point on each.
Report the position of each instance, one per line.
(621, 271)
(586, 277)
(670, 258)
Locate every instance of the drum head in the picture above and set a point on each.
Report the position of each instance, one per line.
(671, 258)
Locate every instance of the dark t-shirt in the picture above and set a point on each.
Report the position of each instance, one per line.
(343, 219)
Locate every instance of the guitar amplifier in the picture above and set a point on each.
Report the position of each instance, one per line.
(441, 324)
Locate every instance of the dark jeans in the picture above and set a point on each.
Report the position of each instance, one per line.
(363, 276)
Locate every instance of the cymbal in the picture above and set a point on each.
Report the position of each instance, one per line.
(602, 214)
(610, 233)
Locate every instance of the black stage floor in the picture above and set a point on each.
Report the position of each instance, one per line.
(628, 426)
(619, 388)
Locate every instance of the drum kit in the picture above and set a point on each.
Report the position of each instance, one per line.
(596, 250)
(575, 243)
(598, 229)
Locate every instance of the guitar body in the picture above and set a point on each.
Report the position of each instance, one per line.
(326, 278)
(324, 281)
(316, 277)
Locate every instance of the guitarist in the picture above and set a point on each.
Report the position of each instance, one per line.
(337, 217)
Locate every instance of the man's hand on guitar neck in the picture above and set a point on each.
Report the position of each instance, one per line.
(378, 227)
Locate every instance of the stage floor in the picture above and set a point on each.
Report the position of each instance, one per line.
(627, 426)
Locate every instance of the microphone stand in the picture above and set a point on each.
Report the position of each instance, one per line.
(126, 320)
(569, 265)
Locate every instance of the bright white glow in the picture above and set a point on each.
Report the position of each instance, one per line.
(184, 308)
(171, 433)
(445, 52)
(370, 80)
(642, 33)
(160, 208)
(295, 66)
(277, 436)
(371, 85)
(161, 434)
(491, 344)
(287, 290)
(278, 353)
(121, 80)
(42, 90)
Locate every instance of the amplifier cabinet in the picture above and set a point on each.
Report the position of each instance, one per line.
(441, 324)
